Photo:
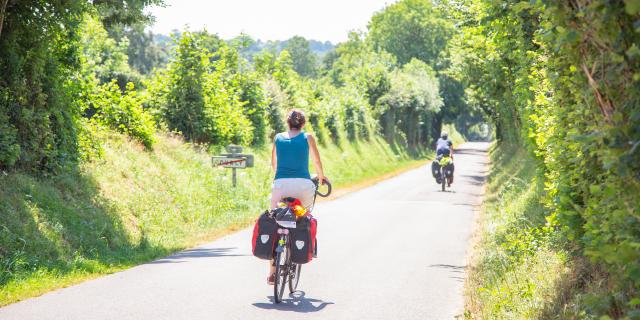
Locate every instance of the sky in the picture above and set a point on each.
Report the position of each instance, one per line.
(268, 19)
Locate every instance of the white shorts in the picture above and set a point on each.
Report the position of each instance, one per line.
(298, 188)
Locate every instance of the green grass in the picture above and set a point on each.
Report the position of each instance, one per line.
(521, 268)
(515, 272)
(132, 206)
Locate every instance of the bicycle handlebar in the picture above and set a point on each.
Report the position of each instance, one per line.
(325, 182)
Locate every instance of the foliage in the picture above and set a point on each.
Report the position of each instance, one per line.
(124, 113)
(303, 59)
(198, 104)
(144, 53)
(38, 127)
(38, 55)
(423, 30)
(411, 29)
(413, 99)
(561, 78)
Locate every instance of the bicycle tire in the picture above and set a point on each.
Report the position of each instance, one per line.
(443, 178)
(295, 277)
(280, 279)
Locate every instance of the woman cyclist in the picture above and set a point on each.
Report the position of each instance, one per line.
(290, 161)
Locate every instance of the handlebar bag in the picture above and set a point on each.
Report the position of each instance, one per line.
(303, 240)
(264, 236)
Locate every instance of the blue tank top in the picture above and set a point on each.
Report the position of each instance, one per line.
(292, 156)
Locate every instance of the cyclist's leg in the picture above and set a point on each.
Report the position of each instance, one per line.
(306, 192)
(276, 196)
(272, 271)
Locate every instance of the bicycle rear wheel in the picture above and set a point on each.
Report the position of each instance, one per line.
(443, 178)
(294, 276)
(281, 275)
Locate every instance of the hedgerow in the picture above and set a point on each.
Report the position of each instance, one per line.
(562, 78)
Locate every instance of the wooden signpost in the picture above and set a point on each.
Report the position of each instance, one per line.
(234, 160)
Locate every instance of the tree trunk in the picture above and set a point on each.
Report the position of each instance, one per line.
(389, 124)
(437, 126)
(3, 9)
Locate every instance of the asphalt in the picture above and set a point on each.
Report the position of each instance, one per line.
(395, 250)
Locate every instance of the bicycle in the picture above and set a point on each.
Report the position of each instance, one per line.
(286, 270)
(444, 162)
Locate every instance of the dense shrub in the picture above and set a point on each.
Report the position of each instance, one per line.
(124, 112)
(199, 99)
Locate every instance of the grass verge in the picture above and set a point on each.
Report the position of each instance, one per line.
(515, 271)
(133, 206)
(520, 267)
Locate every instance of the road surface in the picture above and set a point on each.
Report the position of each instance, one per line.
(396, 250)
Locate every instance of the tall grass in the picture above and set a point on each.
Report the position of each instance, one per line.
(133, 205)
(515, 271)
(521, 268)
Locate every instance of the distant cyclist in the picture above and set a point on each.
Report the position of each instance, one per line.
(444, 147)
(290, 161)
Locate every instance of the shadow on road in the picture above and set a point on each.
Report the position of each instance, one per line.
(476, 180)
(457, 271)
(468, 151)
(297, 303)
(198, 253)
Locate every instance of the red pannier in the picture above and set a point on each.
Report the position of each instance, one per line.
(264, 236)
(303, 240)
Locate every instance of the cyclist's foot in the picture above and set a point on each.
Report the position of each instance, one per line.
(271, 279)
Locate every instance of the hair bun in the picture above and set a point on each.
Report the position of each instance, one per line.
(296, 119)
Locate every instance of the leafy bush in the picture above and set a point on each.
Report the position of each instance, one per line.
(124, 112)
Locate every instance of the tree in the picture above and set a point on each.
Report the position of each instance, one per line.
(303, 59)
(143, 52)
(411, 29)
(38, 57)
(411, 103)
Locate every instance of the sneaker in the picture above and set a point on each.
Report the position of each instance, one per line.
(271, 280)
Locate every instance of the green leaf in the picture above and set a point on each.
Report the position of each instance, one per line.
(633, 51)
(632, 6)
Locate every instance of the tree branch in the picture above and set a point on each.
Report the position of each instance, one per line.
(3, 7)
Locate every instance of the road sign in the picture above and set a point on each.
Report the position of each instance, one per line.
(234, 160)
(229, 162)
(247, 157)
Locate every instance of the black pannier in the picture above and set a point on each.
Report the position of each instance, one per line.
(303, 241)
(435, 169)
(264, 236)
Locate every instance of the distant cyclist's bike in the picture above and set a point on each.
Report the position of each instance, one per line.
(446, 171)
(286, 270)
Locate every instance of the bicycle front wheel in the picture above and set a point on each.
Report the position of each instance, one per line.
(281, 276)
(294, 277)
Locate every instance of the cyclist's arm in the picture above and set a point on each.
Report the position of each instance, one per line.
(274, 158)
(315, 154)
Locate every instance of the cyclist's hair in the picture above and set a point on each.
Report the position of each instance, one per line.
(296, 119)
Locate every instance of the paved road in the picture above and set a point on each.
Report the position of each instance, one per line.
(396, 250)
